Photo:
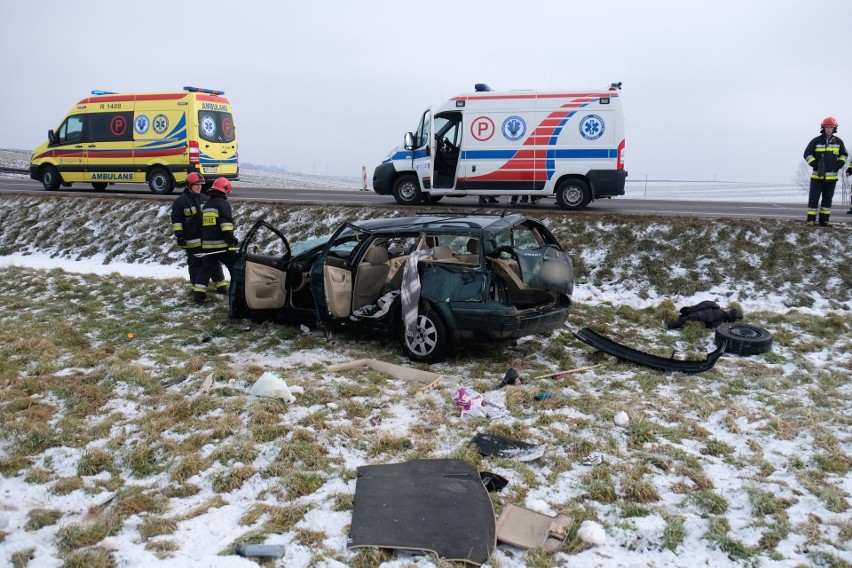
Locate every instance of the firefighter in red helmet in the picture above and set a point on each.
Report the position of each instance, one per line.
(218, 243)
(827, 155)
(186, 224)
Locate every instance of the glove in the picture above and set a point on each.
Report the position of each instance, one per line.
(181, 242)
(849, 171)
(233, 242)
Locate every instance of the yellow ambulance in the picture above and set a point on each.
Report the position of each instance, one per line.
(153, 138)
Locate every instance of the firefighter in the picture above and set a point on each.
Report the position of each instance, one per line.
(218, 243)
(186, 222)
(826, 154)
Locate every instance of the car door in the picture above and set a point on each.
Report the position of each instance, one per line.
(333, 273)
(68, 147)
(260, 274)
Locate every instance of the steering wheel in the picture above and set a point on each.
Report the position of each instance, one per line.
(445, 144)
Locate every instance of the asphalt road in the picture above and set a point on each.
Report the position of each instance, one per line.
(618, 205)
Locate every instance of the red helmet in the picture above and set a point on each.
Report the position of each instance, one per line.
(193, 178)
(829, 121)
(221, 184)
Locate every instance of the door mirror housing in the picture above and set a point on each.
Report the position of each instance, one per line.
(408, 141)
(51, 137)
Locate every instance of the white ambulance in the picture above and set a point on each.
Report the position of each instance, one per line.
(567, 144)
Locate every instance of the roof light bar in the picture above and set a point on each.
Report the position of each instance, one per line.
(200, 90)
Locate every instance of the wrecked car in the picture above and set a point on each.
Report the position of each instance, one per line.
(480, 278)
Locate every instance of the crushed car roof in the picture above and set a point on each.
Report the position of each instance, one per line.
(464, 223)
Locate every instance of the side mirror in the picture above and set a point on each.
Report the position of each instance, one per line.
(408, 141)
(51, 137)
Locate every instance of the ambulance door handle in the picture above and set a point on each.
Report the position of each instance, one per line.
(90, 146)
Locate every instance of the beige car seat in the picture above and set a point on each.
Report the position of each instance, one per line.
(370, 277)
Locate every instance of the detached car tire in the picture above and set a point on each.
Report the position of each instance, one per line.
(743, 339)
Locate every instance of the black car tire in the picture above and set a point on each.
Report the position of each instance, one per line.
(432, 198)
(743, 339)
(573, 194)
(50, 178)
(430, 343)
(160, 181)
(99, 185)
(406, 191)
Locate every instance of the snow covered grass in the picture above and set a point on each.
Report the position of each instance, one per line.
(103, 464)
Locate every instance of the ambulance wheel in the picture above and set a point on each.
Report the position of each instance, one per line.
(432, 198)
(99, 185)
(160, 181)
(406, 191)
(50, 178)
(573, 194)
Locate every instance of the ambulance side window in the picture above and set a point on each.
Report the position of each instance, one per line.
(71, 131)
(110, 126)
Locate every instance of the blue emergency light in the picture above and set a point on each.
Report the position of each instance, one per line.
(482, 87)
(200, 90)
(99, 92)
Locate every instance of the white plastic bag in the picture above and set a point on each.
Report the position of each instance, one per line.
(271, 385)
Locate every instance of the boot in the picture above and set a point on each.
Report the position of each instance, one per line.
(849, 212)
(199, 297)
(823, 219)
(811, 219)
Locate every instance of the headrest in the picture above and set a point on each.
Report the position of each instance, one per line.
(441, 252)
(473, 246)
(376, 255)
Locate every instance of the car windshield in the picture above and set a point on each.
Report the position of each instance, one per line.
(304, 246)
(520, 237)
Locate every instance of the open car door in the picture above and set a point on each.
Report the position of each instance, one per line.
(261, 283)
(333, 274)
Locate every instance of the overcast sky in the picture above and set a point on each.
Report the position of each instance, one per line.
(731, 90)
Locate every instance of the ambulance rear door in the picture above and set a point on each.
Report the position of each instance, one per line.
(216, 134)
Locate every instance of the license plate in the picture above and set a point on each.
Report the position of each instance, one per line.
(210, 170)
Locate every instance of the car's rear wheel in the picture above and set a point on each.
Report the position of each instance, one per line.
(160, 181)
(429, 343)
(50, 178)
(99, 185)
(573, 194)
(406, 191)
(432, 198)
